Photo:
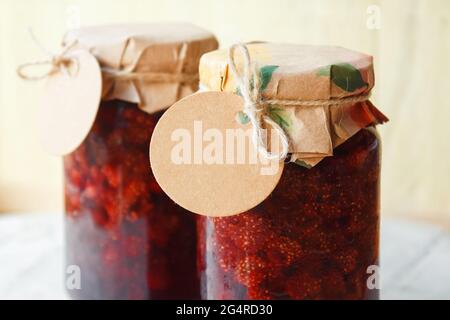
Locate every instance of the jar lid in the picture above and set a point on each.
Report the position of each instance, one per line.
(152, 65)
(304, 72)
(317, 94)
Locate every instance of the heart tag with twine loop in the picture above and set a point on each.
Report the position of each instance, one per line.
(150, 66)
(70, 100)
(68, 105)
(217, 153)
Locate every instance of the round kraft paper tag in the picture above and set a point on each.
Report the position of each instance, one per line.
(203, 158)
(70, 103)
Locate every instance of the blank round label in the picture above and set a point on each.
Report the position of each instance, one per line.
(198, 158)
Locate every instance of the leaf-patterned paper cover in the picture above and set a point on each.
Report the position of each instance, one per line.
(300, 72)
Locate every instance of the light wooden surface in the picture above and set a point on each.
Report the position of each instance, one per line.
(415, 258)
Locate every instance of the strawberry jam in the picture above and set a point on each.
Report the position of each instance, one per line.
(126, 236)
(313, 238)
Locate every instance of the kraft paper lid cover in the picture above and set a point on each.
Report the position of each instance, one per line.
(163, 48)
(300, 71)
(304, 73)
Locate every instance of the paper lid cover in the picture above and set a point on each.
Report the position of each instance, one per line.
(167, 48)
(305, 73)
(296, 71)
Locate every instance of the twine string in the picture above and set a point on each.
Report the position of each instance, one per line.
(320, 102)
(61, 61)
(248, 84)
(160, 77)
(255, 107)
(56, 62)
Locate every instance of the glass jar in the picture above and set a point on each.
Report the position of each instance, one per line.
(316, 236)
(313, 238)
(126, 236)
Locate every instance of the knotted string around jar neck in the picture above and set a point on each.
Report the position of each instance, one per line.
(61, 61)
(248, 82)
(249, 85)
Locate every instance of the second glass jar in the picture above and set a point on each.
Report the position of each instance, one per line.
(314, 237)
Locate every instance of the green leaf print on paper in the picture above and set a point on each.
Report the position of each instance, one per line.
(242, 118)
(279, 115)
(238, 90)
(325, 71)
(265, 74)
(302, 163)
(344, 75)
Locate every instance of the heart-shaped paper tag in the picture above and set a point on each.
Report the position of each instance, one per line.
(70, 103)
(205, 160)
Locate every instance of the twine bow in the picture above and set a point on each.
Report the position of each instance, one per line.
(248, 82)
(60, 63)
(57, 62)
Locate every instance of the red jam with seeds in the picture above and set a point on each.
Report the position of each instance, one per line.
(313, 238)
(126, 236)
